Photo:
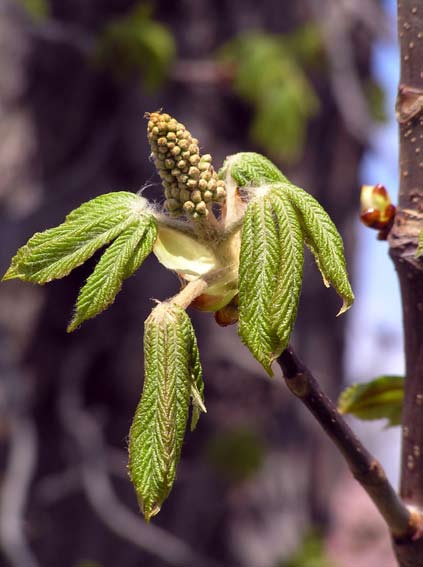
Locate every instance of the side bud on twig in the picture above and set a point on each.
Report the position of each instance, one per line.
(377, 211)
(189, 179)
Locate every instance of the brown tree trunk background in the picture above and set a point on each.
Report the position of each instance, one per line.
(404, 240)
(70, 132)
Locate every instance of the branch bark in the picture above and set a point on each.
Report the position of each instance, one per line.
(402, 522)
(403, 241)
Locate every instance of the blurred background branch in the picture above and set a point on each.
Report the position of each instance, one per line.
(84, 429)
(15, 489)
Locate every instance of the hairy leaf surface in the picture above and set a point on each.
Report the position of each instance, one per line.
(258, 273)
(324, 241)
(381, 398)
(121, 259)
(249, 168)
(290, 273)
(54, 253)
(197, 385)
(172, 368)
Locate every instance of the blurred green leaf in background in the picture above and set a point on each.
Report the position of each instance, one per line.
(137, 44)
(270, 75)
(311, 553)
(376, 101)
(39, 10)
(236, 454)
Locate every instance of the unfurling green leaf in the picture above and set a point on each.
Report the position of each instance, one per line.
(381, 398)
(123, 257)
(258, 272)
(249, 168)
(278, 220)
(324, 241)
(172, 373)
(197, 385)
(54, 253)
(290, 273)
(270, 276)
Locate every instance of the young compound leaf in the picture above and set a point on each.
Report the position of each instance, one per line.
(172, 368)
(258, 272)
(249, 168)
(290, 273)
(119, 261)
(324, 241)
(381, 398)
(54, 253)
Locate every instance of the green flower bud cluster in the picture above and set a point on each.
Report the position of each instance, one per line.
(189, 179)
